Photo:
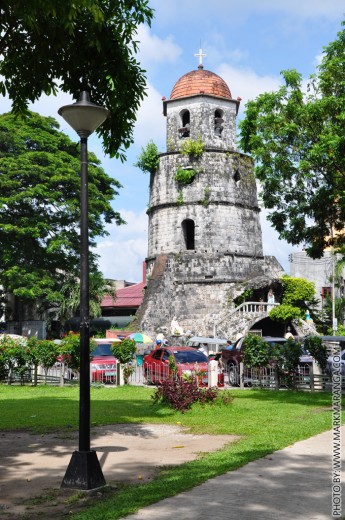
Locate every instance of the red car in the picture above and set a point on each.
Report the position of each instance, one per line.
(103, 363)
(189, 361)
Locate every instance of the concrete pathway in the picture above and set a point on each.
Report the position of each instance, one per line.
(291, 484)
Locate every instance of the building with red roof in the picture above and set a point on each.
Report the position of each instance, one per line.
(122, 308)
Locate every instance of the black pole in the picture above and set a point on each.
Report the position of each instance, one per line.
(84, 402)
(84, 470)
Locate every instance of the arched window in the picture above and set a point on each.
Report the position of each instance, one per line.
(188, 230)
(185, 122)
(218, 122)
(237, 176)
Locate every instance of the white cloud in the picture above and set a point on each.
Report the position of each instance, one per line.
(122, 253)
(245, 83)
(150, 120)
(272, 245)
(318, 58)
(154, 50)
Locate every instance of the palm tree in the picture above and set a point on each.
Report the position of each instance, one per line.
(70, 292)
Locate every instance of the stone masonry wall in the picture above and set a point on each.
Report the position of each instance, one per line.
(198, 288)
(202, 112)
(223, 208)
(205, 240)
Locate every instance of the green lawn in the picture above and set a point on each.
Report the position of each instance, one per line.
(266, 420)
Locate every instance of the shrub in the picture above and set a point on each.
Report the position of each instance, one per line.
(184, 176)
(69, 350)
(179, 201)
(12, 357)
(317, 349)
(287, 360)
(193, 148)
(181, 395)
(148, 160)
(206, 200)
(291, 353)
(286, 313)
(125, 350)
(257, 352)
(127, 372)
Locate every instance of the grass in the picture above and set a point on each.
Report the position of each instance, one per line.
(265, 420)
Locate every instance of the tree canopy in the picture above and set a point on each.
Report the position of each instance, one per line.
(298, 295)
(40, 206)
(297, 140)
(46, 45)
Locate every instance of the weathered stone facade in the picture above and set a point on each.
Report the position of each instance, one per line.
(204, 235)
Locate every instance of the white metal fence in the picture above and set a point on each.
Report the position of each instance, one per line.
(303, 378)
(238, 376)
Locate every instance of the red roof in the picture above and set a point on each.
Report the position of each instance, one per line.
(200, 82)
(131, 296)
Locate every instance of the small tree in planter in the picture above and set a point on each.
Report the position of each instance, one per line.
(69, 350)
(257, 352)
(12, 357)
(124, 353)
(317, 349)
(41, 352)
(287, 361)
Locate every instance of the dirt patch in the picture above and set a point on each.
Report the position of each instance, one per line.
(33, 466)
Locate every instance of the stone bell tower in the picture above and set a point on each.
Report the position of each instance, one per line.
(204, 226)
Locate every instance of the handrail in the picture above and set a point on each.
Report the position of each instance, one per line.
(250, 308)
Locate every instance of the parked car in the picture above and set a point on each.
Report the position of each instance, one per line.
(188, 361)
(330, 360)
(103, 362)
(232, 358)
(209, 346)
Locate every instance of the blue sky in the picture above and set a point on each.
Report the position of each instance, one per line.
(247, 43)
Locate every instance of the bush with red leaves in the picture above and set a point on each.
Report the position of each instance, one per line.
(180, 394)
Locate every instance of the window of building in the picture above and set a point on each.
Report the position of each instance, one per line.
(188, 230)
(218, 123)
(326, 292)
(237, 176)
(185, 122)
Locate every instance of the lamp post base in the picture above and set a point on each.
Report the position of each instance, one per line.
(83, 472)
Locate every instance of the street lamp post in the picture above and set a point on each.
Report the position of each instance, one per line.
(84, 470)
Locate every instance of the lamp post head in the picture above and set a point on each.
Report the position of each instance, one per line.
(83, 116)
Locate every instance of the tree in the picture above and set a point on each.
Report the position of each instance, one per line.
(40, 207)
(298, 295)
(287, 361)
(297, 140)
(46, 353)
(13, 356)
(148, 159)
(125, 350)
(69, 350)
(46, 45)
(257, 352)
(297, 291)
(317, 349)
(286, 313)
(70, 292)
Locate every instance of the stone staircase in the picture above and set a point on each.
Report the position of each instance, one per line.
(241, 319)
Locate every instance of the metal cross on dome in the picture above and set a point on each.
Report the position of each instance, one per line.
(200, 56)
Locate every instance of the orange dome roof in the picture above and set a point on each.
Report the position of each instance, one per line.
(200, 81)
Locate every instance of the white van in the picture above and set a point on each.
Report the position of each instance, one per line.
(209, 345)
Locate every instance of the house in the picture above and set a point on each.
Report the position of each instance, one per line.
(121, 309)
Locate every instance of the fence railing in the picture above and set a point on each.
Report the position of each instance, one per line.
(303, 378)
(267, 377)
